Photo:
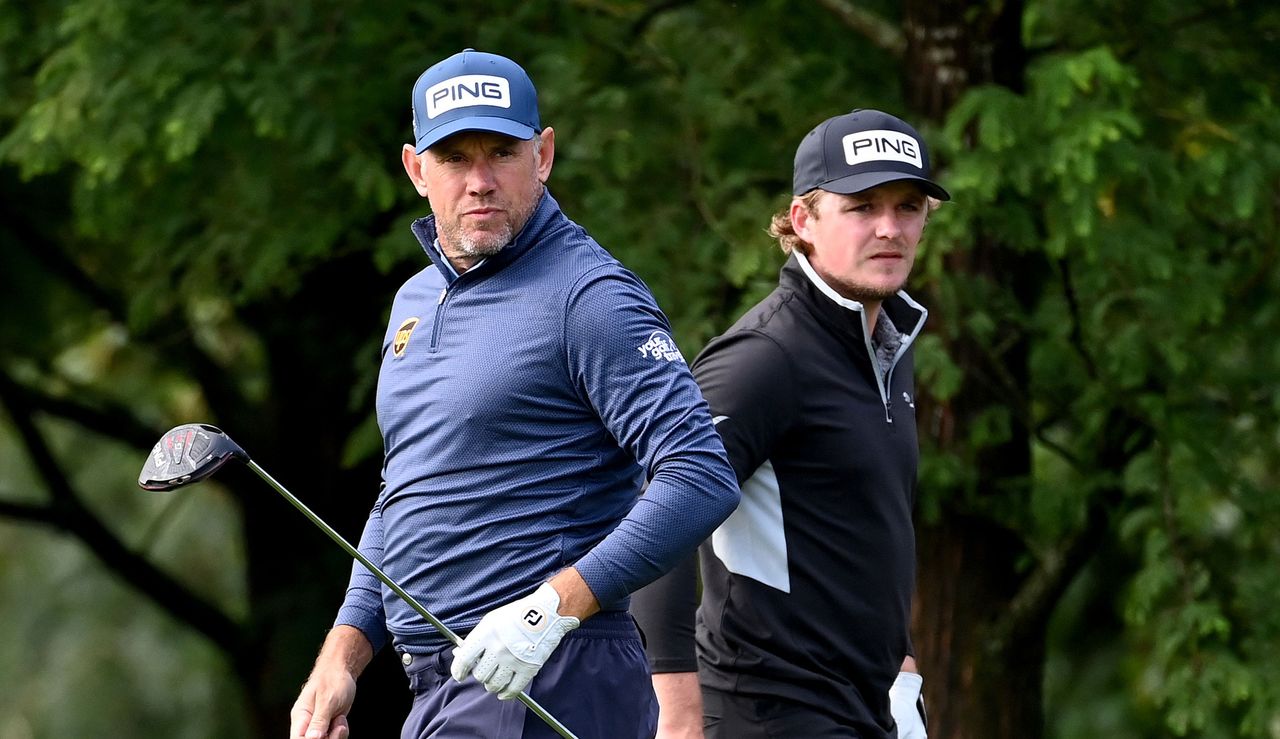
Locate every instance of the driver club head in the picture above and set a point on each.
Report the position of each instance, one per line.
(186, 454)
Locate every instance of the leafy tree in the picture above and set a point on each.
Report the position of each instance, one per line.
(1104, 298)
(204, 219)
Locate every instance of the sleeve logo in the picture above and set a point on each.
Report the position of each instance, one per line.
(660, 346)
(402, 335)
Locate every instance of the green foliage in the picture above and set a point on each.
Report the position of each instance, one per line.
(1141, 191)
(76, 630)
(181, 181)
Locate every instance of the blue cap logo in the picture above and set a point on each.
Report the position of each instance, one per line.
(469, 89)
(473, 91)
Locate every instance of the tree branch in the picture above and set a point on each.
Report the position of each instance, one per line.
(1029, 609)
(24, 512)
(641, 25)
(1077, 333)
(180, 348)
(877, 30)
(67, 513)
(49, 254)
(103, 417)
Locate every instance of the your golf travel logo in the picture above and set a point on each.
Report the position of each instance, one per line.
(402, 336)
(660, 346)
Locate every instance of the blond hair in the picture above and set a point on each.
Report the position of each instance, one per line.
(781, 228)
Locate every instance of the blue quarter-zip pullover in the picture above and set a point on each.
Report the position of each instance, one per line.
(523, 405)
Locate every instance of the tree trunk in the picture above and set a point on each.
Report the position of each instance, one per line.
(981, 681)
(297, 576)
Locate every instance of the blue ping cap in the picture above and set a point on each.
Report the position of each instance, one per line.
(859, 150)
(473, 91)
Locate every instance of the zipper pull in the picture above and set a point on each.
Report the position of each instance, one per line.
(443, 293)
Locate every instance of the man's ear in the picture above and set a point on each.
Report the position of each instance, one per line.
(413, 167)
(800, 217)
(547, 155)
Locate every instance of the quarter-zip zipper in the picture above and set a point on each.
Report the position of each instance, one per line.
(435, 327)
(451, 287)
(882, 383)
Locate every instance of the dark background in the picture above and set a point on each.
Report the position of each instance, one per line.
(203, 218)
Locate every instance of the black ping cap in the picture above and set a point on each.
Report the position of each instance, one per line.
(859, 150)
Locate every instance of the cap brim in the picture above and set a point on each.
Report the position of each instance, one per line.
(490, 124)
(856, 183)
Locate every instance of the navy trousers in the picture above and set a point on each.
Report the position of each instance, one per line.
(597, 683)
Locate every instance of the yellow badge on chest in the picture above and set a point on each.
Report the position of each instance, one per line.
(402, 335)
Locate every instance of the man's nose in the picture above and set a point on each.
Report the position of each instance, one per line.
(480, 180)
(887, 226)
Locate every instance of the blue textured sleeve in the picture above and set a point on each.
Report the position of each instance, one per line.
(362, 607)
(624, 362)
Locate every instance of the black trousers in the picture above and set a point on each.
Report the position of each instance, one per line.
(732, 716)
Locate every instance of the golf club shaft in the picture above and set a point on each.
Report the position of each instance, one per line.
(445, 630)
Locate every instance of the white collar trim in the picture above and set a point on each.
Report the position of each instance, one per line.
(823, 287)
(841, 300)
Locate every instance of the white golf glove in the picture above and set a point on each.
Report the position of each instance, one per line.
(907, 706)
(511, 643)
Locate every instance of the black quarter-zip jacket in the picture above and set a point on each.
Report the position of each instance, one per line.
(807, 586)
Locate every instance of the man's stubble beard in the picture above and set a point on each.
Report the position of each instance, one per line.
(486, 244)
(866, 294)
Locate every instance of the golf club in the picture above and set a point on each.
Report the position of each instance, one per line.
(194, 451)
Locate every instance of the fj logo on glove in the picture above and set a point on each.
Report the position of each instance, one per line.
(511, 643)
(533, 619)
(402, 335)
